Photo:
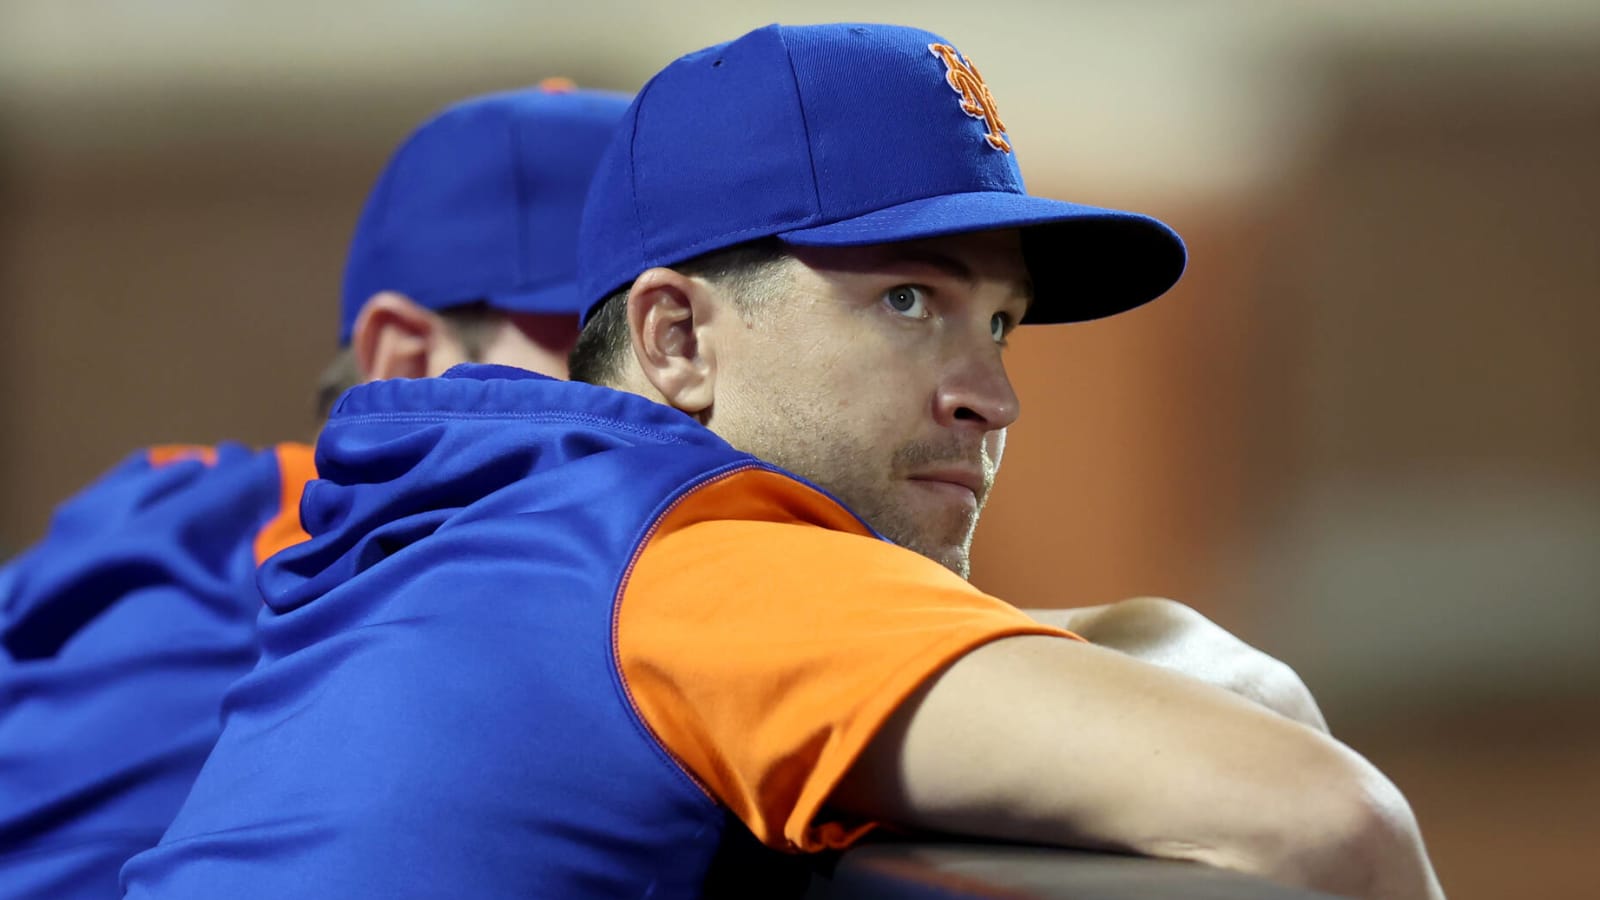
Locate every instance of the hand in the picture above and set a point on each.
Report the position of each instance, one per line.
(1169, 634)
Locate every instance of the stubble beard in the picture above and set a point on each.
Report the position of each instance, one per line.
(896, 523)
(804, 444)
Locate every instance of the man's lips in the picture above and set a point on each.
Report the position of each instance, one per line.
(971, 479)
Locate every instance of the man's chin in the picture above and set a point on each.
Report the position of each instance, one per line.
(961, 565)
(908, 527)
(955, 558)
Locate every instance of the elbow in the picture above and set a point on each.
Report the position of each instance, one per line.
(1344, 830)
(1379, 850)
(1370, 844)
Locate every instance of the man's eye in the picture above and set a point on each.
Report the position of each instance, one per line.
(907, 300)
(999, 326)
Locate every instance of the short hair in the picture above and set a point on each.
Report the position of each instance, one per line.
(472, 324)
(746, 269)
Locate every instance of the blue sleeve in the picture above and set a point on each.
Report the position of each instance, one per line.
(119, 633)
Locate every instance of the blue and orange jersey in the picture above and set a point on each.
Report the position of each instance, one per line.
(544, 639)
(119, 633)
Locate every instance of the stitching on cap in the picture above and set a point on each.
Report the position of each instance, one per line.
(633, 167)
(520, 190)
(805, 124)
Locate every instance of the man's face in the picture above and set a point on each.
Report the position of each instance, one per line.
(876, 372)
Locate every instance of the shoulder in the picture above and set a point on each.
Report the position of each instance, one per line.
(763, 633)
(179, 514)
(757, 551)
(164, 480)
(757, 523)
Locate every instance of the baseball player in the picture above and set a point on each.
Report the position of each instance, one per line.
(124, 626)
(548, 638)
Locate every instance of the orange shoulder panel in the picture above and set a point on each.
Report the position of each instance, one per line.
(296, 466)
(167, 454)
(764, 636)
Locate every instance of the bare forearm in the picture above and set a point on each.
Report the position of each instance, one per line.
(1131, 757)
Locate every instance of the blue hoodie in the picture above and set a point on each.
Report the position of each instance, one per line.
(119, 633)
(544, 638)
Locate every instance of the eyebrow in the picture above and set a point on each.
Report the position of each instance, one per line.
(955, 268)
(944, 262)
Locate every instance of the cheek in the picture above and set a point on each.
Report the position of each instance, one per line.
(869, 370)
(848, 395)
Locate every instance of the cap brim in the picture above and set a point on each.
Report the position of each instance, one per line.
(1085, 262)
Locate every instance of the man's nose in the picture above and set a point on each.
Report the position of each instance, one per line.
(977, 393)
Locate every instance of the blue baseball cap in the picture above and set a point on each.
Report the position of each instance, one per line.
(846, 135)
(481, 203)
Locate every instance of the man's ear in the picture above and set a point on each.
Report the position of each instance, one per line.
(669, 323)
(394, 337)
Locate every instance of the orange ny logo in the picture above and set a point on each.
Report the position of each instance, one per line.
(976, 101)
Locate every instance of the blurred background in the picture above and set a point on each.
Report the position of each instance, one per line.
(1360, 433)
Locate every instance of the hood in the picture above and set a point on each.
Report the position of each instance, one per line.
(400, 460)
